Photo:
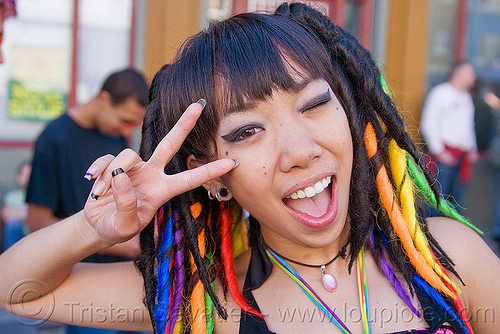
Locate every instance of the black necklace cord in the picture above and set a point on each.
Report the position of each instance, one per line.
(341, 254)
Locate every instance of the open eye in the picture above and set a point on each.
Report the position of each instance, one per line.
(243, 133)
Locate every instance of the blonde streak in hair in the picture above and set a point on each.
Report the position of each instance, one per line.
(397, 161)
(386, 193)
(179, 328)
(239, 233)
(199, 325)
(399, 225)
(399, 169)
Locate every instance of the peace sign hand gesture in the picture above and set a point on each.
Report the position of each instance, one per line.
(130, 190)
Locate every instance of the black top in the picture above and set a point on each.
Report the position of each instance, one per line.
(63, 153)
(259, 269)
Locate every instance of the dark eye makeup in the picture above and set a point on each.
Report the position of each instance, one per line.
(249, 130)
(242, 133)
(317, 101)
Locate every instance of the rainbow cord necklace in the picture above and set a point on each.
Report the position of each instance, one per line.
(362, 289)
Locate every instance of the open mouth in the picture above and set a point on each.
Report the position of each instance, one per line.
(315, 205)
(311, 191)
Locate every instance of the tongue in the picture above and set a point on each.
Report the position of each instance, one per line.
(315, 206)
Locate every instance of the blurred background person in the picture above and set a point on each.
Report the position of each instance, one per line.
(7, 9)
(14, 209)
(484, 117)
(447, 125)
(68, 146)
(70, 143)
(493, 102)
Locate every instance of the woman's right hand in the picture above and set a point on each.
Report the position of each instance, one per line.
(128, 200)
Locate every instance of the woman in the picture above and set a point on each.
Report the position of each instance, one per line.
(296, 129)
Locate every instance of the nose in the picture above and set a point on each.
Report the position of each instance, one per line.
(298, 146)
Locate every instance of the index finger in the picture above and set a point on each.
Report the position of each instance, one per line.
(175, 137)
(192, 178)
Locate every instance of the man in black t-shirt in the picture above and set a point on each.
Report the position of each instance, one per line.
(68, 146)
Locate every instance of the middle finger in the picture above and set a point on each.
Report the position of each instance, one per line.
(126, 159)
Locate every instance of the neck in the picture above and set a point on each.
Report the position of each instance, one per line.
(341, 254)
(306, 254)
(456, 84)
(83, 115)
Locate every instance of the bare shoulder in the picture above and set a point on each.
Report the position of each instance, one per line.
(450, 232)
(463, 245)
(479, 268)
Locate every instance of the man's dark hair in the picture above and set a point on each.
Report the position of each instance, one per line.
(126, 84)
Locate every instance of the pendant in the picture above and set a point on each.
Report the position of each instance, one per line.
(329, 282)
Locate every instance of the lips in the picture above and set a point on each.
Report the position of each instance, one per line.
(315, 205)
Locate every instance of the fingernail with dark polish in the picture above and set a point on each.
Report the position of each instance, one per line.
(117, 171)
(203, 103)
(236, 163)
(94, 197)
(88, 176)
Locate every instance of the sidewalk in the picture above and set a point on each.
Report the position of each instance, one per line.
(13, 324)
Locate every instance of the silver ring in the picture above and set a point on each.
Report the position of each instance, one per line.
(222, 193)
(210, 196)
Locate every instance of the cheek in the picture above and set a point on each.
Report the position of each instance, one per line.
(108, 122)
(254, 164)
(249, 176)
(347, 151)
(250, 181)
(347, 144)
(337, 131)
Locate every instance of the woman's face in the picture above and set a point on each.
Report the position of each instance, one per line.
(295, 154)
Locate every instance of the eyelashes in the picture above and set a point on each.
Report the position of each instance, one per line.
(317, 105)
(243, 132)
(317, 102)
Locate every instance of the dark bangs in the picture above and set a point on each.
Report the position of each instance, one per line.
(256, 54)
(235, 63)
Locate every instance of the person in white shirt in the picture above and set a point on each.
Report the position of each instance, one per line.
(447, 125)
(7, 9)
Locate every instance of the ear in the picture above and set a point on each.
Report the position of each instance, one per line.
(104, 98)
(213, 185)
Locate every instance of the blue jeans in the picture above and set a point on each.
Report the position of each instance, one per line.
(12, 231)
(495, 228)
(450, 186)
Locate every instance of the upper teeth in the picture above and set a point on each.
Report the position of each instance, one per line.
(312, 190)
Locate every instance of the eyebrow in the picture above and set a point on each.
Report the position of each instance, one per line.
(299, 86)
(239, 109)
